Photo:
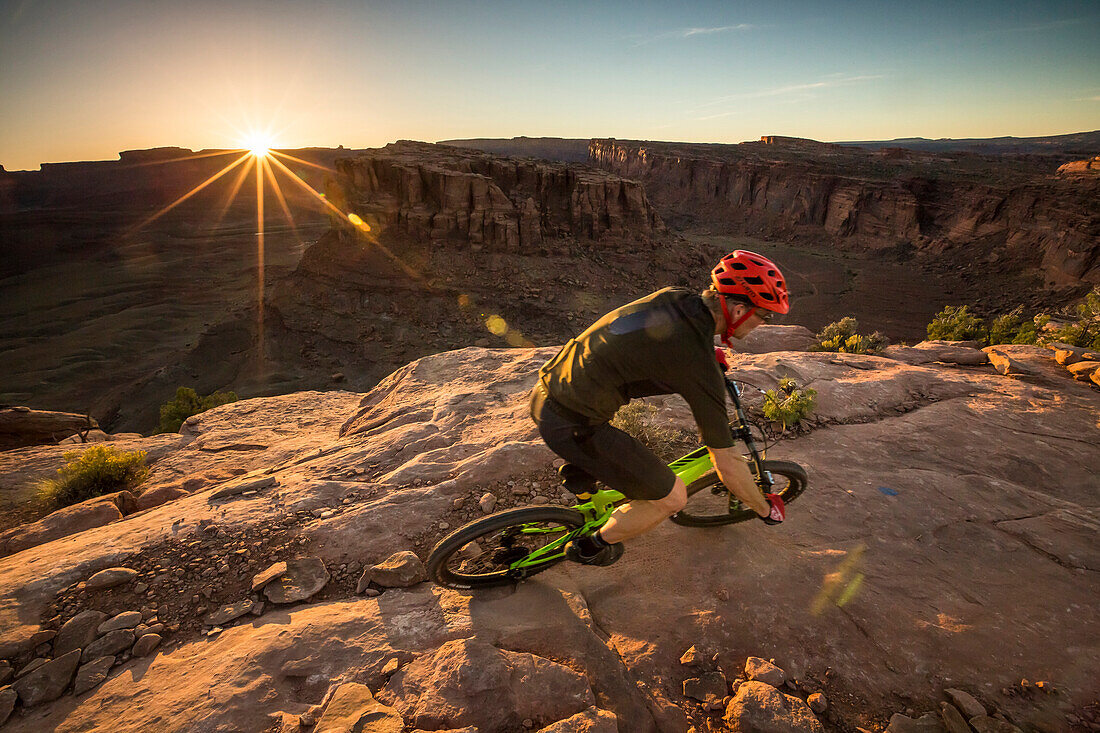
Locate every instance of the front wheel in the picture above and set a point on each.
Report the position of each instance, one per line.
(498, 549)
(709, 505)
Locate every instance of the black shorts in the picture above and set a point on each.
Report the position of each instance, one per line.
(605, 452)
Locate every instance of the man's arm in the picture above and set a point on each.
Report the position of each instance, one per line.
(735, 474)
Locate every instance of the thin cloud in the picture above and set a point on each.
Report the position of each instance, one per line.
(1088, 99)
(682, 33)
(835, 80)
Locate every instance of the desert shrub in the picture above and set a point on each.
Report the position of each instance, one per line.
(188, 403)
(841, 336)
(957, 323)
(1085, 330)
(98, 470)
(1014, 328)
(789, 405)
(636, 419)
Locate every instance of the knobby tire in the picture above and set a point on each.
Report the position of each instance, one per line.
(708, 498)
(445, 563)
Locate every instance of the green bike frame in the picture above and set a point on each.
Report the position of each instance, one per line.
(598, 508)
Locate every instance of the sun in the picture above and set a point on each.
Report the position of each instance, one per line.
(258, 145)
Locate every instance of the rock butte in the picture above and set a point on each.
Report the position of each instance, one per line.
(968, 571)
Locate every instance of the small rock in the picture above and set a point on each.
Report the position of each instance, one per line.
(112, 643)
(110, 578)
(146, 644)
(488, 503)
(140, 587)
(760, 707)
(262, 579)
(929, 723)
(399, 570)
(761, 670)
(693, 657)
(817, 703)
(965, 702)
(257, 608)
(30, 667)
(124, 620)
(7, 703)
(372, 592)
(459, 502)
(229, 612)
(233, 489)
(48, 681)
(304, 577)
(390, 667)
(953, 719)
(707, 687)
(92, 674)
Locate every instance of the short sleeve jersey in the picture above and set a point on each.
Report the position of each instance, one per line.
(660, 344)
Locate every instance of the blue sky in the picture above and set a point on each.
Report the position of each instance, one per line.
(84, 80)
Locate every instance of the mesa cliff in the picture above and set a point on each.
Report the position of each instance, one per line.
(963, 208)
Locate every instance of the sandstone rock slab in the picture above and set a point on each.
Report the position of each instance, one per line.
(62, 523)
(146, 644)
(768, 338)
(399, 570)
(261, 579)
(304, 577)
(78, 632)
(592, 720)
(952, 719)
(470, 682)
(967, 704)
(8, 697)
(353, 709)
(110, 578)
(23, 426)
(158, 495)
(112, 642)
(48, 681)
(760, 708)
(236, 488)
(124, 620)
(1083, 370)
(929, 723)
(92, 674)
(945, 352)
(761, 670)
(227, 613)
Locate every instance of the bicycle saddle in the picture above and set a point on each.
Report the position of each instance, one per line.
(577, 480)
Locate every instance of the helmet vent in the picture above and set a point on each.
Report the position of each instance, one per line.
(739, 266)
(754, 280)
(766, 296)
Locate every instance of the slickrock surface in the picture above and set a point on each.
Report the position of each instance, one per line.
(947, 540)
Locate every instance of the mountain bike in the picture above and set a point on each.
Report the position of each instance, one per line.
(513, 545)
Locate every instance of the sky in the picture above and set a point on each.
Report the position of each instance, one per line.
(83, 80)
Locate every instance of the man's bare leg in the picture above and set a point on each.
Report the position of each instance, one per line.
(640, 516)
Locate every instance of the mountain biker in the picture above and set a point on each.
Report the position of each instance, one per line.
(660, 344)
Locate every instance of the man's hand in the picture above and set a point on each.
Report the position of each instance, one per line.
(778, 509)
(735, 474)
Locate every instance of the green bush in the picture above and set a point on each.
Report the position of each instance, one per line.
(1085, 332)
(957, 323)
(636, 419)
(98, 470)
(789, 405)
(188, 403)
(841, 336)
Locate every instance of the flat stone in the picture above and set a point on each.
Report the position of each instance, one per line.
(761, 670)
(227, 613)
(240, 487)
(707, 687)
(112, 643)
(261, 579)
(1082, 370)
(92, 674)
(817, 703)
(965, 702)
(353, 708)
(399, 570)
(146, 644)
(1005, 364)
(7, 703)
(952, 719)
(124, 620)
(488, 503)
(929, 723)
(31, 666)
(693, 657)
(110, 578)
(304, 577)
(48, 681)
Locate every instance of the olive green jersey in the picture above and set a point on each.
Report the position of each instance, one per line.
(660, 344)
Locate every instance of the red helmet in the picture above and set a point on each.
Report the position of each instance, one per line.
(754, 277)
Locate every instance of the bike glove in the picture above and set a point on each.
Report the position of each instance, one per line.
(778, 510)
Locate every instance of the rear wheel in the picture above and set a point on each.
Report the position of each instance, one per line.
(708, 503)
(481, 553)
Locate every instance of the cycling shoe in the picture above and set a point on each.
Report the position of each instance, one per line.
(606, 555)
